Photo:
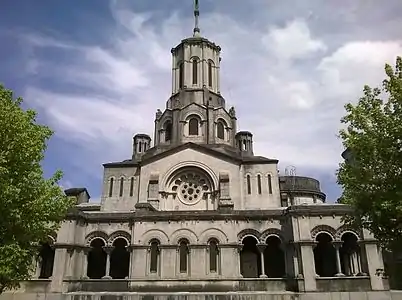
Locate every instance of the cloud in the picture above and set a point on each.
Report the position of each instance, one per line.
(294, 41)
(288, 84)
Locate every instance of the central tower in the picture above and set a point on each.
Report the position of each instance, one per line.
(196, 111)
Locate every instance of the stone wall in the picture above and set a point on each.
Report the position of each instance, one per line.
(388, 295)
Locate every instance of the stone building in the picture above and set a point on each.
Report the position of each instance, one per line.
(198, 214)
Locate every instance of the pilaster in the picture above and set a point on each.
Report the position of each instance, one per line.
(58, 269)
(375, 266)
(307, 256)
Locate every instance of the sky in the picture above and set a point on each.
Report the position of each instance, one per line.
(97, 70)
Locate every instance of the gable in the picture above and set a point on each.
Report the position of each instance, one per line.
(221, 152)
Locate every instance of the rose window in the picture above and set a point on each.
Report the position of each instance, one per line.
(190, 187)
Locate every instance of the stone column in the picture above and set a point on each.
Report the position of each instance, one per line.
(84, 262)
(108, 250)
(338, 246)
(261, 248)
(238, 249)
(38, 266)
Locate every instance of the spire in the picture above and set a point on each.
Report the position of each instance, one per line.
(196, 15)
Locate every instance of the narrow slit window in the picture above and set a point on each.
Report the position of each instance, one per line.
(259, 184)
(131, 186)
(195, 71)
(111, 187)
(183, 253)
(154, 256)
(213, 256)
(139, 147)
(248, 184)
(210, 74)
(181, 76)
(121, 187)
(269, 184)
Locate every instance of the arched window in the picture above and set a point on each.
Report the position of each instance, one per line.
(250, 258)
(274, 258)
(154, 256)
(248, 184)
(121, 187)
(131, 186)
(259, 184)
(195, 71)
(350, 255)
(269, 184)
(213, 255)
(96, 260)
(183, 256)
(193, 126)
(181, 75)
(210, 73)
(111, 187)
(119, 259)
(168, 131)
(220, 130)
(46, 256)
(325, 256)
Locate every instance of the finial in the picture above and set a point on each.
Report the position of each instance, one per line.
(196, 15)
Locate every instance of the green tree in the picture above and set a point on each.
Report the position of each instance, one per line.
(372, 178)
(31, 207)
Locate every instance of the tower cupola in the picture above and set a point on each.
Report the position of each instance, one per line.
(141, 143)
(244, 142)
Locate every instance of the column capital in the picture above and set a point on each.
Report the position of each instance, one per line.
(239, 247)
(261, 247)
(337, 244)
(108, 249)
(86, 250)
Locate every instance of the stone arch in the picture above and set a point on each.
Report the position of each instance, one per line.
(190, 164)
(152, 234)
(120, 234)
(183, 233)
(323, 228)
(98, 234)
(272, 232)
(248, 232)
(213, 233)
(194, 113)
(346, 229)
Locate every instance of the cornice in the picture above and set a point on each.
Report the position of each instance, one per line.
(317, 210)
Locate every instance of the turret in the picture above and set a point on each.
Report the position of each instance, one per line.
(244, 142)
(141, 143)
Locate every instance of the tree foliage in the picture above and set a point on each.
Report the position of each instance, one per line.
(31, 207)
(372, 178)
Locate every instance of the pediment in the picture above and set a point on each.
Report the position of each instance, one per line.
(222, 152)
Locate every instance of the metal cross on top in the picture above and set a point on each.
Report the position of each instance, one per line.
(196, 15)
